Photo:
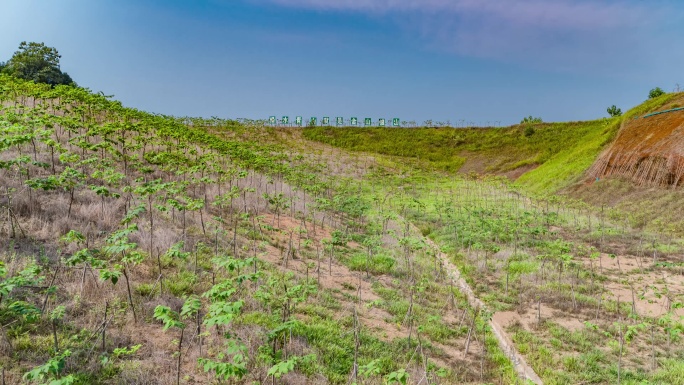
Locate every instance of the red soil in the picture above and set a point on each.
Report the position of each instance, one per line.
(648, 150)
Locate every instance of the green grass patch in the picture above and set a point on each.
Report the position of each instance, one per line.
(182, 284)
(378, 264)
(448, 149)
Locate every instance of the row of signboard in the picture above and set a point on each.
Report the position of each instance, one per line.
(325, 121)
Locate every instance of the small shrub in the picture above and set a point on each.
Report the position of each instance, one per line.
(145, 289)
(380, 264)
(529, 131)
(439, 332)
(425, 229)
(654, 93)
(182, 284)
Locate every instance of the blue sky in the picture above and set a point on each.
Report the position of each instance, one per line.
(474, 60)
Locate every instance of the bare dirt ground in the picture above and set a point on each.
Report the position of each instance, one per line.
(340, 279)
(631, 279)
(647, 149)
(529, 319)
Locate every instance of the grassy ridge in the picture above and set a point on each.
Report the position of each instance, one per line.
(504, 149)
(567, 165)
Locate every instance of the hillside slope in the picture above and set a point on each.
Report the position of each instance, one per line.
(553, 158)
(543, 157)
(144, 249)
(511, 151)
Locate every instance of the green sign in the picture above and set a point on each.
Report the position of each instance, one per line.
(339, 121)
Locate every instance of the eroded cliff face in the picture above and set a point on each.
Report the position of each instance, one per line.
(649, 149)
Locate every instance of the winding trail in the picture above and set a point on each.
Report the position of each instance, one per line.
(524, 371)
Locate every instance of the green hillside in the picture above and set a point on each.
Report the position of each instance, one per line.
(138, 248)
(557, 154)
(561, 151)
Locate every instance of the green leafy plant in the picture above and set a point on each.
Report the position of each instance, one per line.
(234, 368)
(370, 369)
(397, 377)
(50, 373)
(283, 367)
(118, 354)
(171, 319)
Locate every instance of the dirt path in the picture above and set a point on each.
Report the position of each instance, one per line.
(505, 343)
(524, 371)
(353, 290)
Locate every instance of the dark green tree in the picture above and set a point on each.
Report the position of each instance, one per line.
(654, 93)
(613, 111)
(37, 62)
(531, 119)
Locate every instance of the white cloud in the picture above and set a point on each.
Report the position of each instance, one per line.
(555, 13)
(557, 33)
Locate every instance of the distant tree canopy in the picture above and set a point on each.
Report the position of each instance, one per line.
(613, 111)
(531, 119)
(37, 62)
(654, 93)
